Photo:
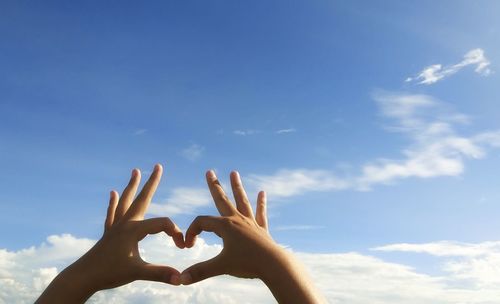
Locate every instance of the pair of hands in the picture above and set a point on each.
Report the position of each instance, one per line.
(115, 260)
(249, 251)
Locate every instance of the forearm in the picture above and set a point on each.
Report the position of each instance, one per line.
(288, 281)
(70, 286)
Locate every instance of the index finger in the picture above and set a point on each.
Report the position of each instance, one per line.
(203, 223)
(160, 224)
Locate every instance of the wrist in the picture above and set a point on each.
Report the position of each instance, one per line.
(276, 264)
(288, 280)
(79, 282)
(70, 286)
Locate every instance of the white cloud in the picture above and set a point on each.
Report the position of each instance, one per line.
(470, 273)
(193, 152)
(25, 273)
(182, 201)
(436, 149)
(140, 131)
(296, 227)
(246, 132)
(475, 264)
(437, 72)
(283, 131)
(249, 132)
(285, 183)
(445, 248)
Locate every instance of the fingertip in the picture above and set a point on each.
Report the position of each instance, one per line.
(190, 241)
(158, 167)
(262, 195)
(235, 174)
(113, 198)
(179, 240)
(175, 279)
(186, 278)
(136, 172)
(211, 175)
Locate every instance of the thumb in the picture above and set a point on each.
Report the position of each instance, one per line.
(159, 273)
(202, 271)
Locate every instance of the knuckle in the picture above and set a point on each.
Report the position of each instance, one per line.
(229, 222)
(199, 218)
(167, 221)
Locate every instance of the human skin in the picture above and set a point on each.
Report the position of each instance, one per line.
(249, 251)
(114, 260)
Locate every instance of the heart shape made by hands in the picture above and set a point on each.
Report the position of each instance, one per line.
(161, 249)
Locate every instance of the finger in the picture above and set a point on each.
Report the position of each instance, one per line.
(128, 195)
(202, 271)
(222, 202)
(160, 224)
(141, 203)
(261, 212)
(159, 273)
(240, 196)
(203, 223)
(110, 215)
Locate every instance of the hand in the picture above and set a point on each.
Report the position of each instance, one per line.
(247, 242)
(249, 251)
(115, 260)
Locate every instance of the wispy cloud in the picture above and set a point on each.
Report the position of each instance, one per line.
(296, 227)
(181, 201)
(436, 149)
(140, 132)
(470, 273)
(283, 131)
(246, 132)
(193, 152)
(444, 248)
(477, 264)
(437, 72)
(286, 183)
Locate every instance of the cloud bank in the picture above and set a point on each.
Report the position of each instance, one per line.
(470, 273)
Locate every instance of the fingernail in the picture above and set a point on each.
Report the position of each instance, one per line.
(186, 278)
(211, 174)
(175, 279)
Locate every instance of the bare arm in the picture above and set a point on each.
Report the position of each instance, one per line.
(249, 251)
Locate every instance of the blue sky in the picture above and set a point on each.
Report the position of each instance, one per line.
(284, 91)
